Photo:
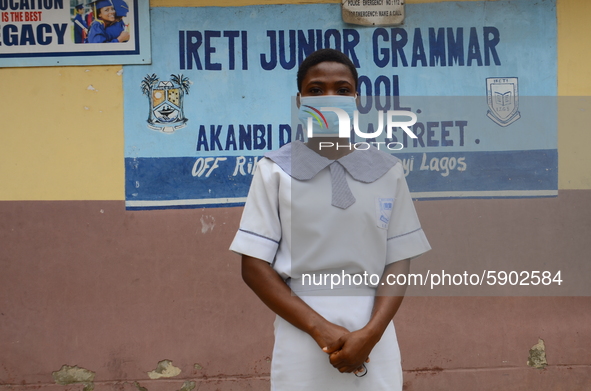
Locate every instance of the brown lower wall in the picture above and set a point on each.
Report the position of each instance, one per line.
(87, 283)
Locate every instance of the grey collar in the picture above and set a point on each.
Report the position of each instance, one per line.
(302, 163)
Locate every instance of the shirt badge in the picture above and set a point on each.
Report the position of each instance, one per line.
(383, 211)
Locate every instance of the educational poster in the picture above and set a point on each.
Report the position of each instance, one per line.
(480, 78)
(74, 32)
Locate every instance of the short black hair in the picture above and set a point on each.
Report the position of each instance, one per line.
(325, 55)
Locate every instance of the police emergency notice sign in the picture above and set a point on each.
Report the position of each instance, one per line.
(73, 32)
(481, 81)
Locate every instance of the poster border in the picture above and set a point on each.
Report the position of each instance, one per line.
(142, 54)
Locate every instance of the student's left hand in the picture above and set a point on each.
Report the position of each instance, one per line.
(351, 351)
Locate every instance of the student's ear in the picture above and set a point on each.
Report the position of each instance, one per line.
(298, 103)
(357, 99)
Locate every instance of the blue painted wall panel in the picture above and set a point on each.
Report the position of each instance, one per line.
(481, 77)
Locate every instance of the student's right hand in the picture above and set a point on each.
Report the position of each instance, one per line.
(328, 333)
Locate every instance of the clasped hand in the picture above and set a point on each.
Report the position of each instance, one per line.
(348, 351)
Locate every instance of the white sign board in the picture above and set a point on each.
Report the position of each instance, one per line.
(373, 12)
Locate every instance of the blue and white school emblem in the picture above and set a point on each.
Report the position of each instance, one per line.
(383, 211)
(166, 102)
(503, 100)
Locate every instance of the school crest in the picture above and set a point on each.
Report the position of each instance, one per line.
(166, 102)
(503, 100)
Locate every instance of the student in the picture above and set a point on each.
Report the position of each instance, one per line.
(105, 15)
(121, 11)
(80, 26)
(329, 212)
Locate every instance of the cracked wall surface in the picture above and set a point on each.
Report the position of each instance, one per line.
(537, 355)
(164, 369)
(74, 375)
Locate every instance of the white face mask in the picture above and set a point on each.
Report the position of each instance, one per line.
(325, 123)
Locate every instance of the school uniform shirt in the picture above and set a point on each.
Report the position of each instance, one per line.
(290, 220)
(306, 214)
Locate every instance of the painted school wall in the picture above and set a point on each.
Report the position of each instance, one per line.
(85, 283)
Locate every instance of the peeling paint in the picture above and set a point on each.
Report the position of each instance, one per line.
(164, 369)
(91, 88)
(537, 355)
(187, 386)
(197, 366)
(72, 375)
(207, 223)
(140, 388)
(120, 72)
